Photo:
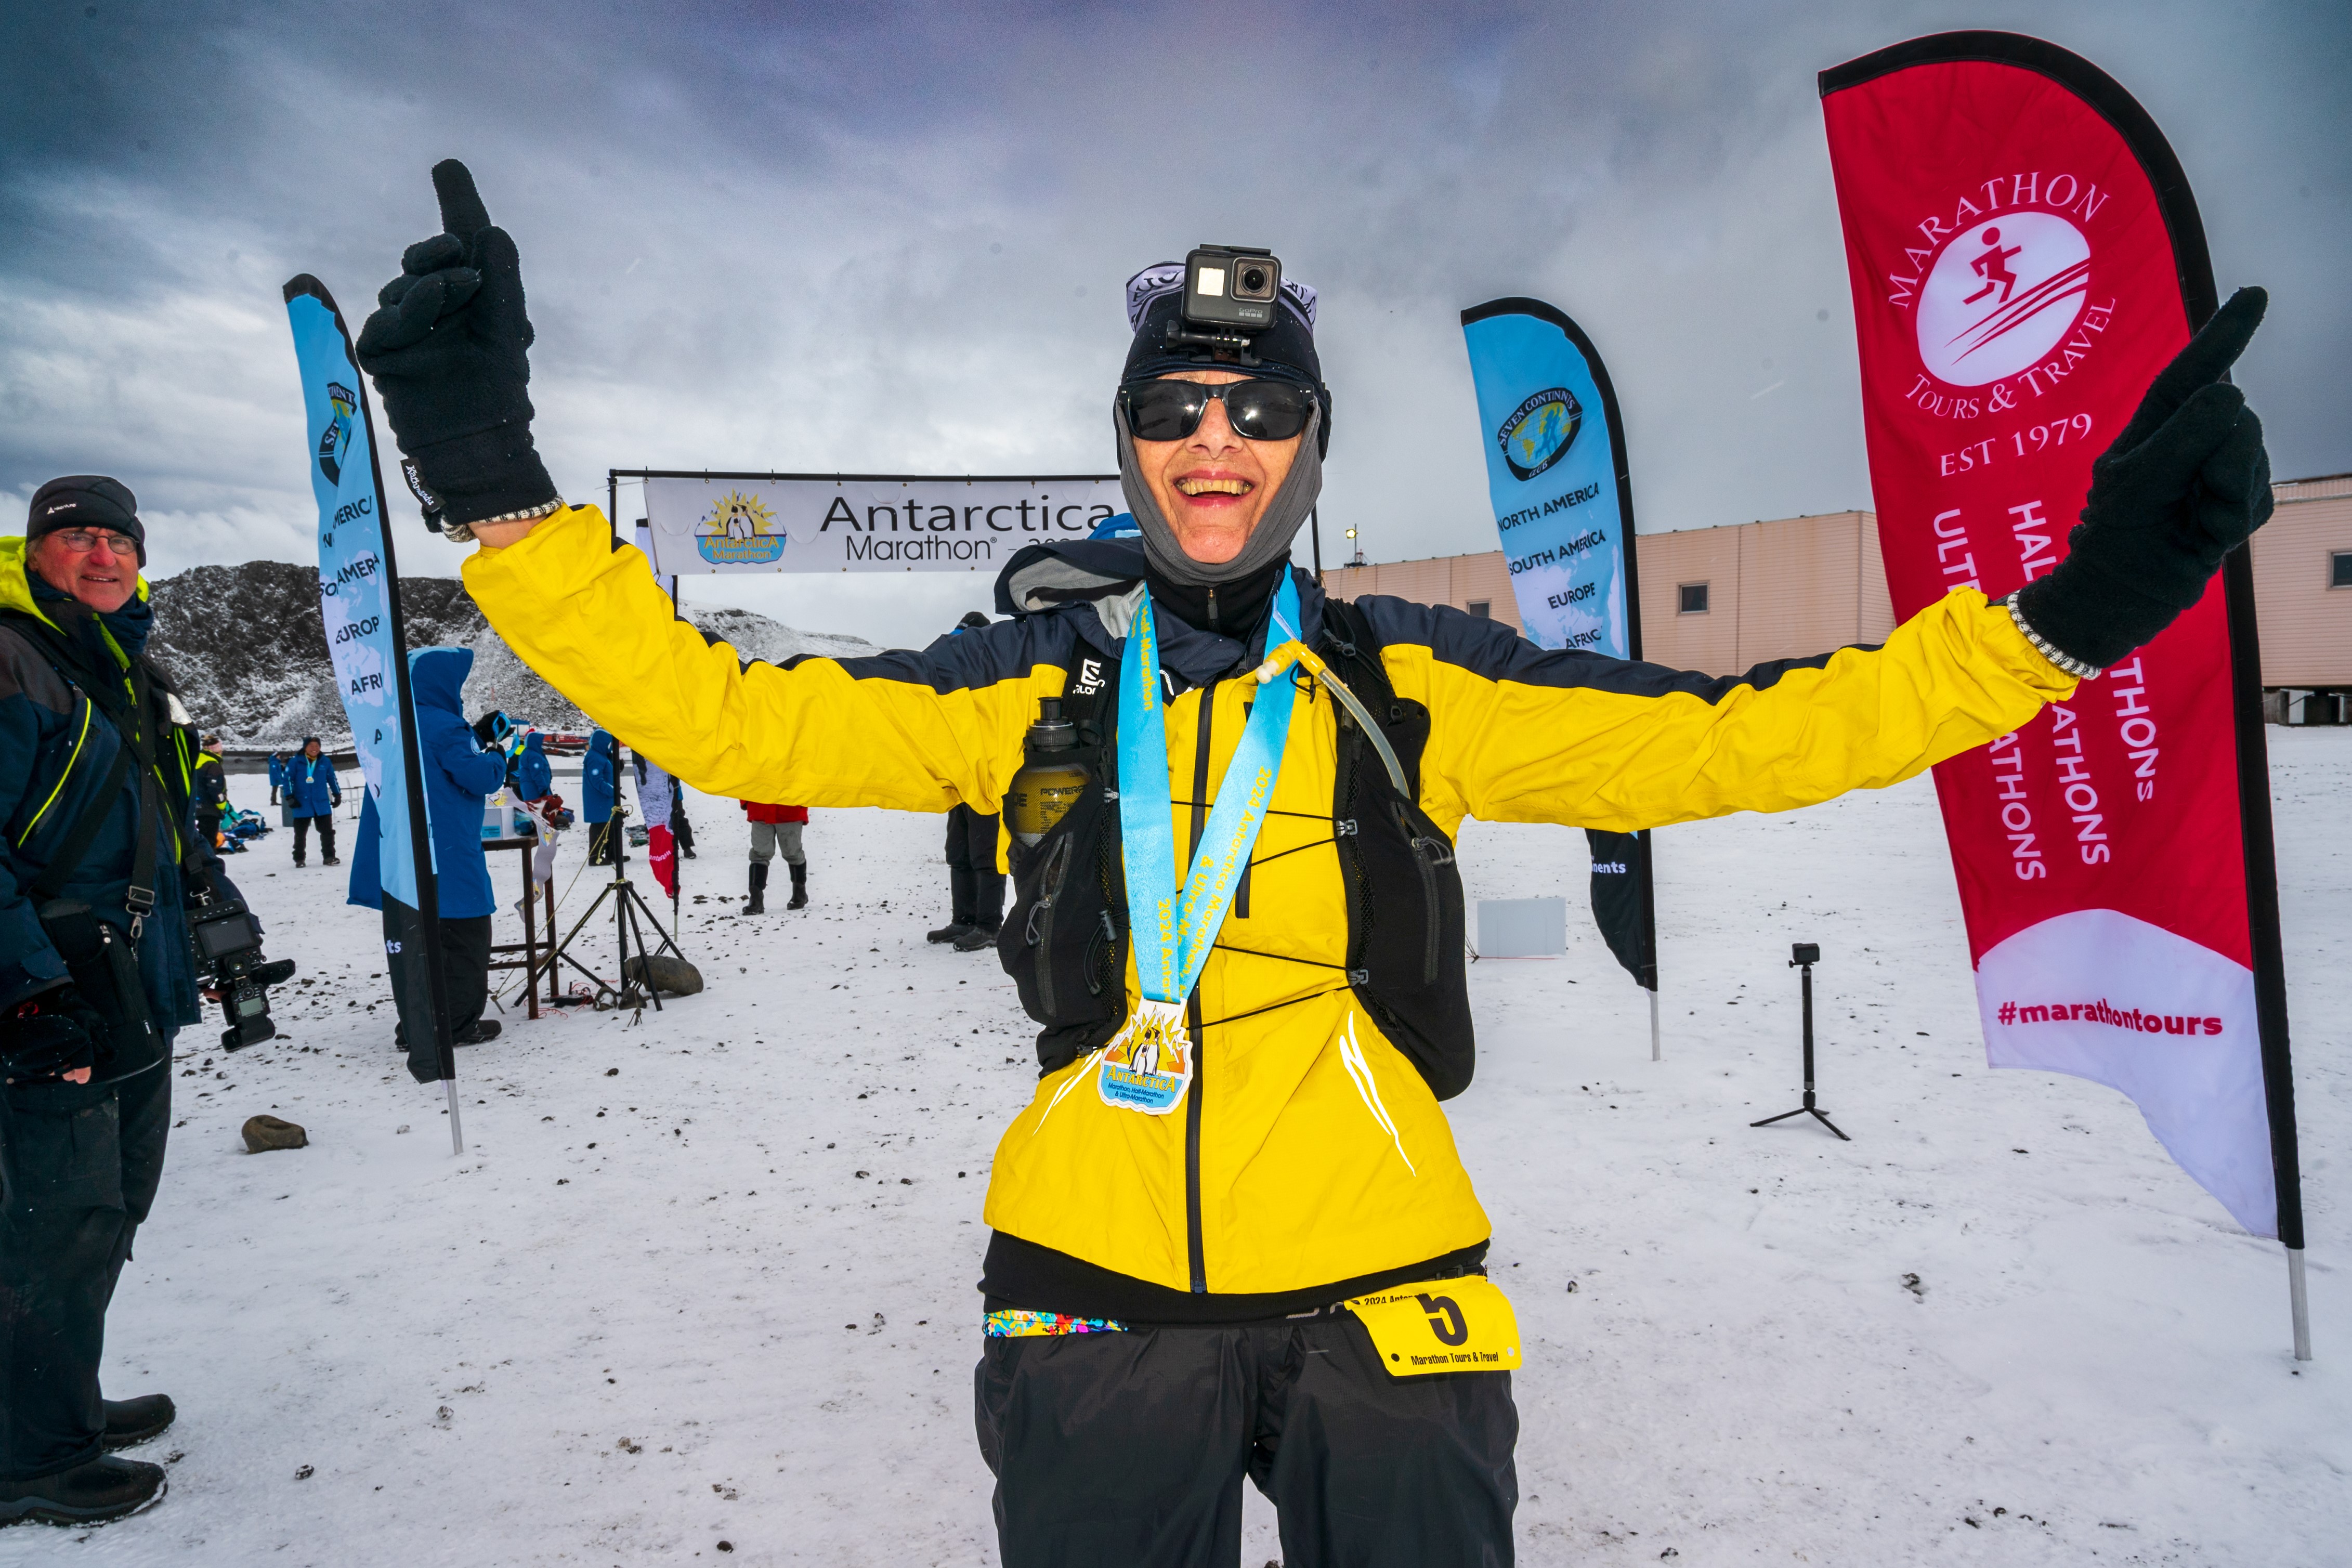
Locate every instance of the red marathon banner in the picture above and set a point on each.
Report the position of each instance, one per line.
(2026, 256)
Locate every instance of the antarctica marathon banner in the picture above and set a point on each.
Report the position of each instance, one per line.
(2026, 256)
(704, 523)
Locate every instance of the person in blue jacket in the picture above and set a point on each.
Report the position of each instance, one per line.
(600, 796)
(277, 775)
(534, 774)
(312, 793)
(89, 734)
(458, 774)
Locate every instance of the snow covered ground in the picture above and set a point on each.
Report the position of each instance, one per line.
(701, 1286)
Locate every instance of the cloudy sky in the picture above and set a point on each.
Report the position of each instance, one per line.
(891, 237)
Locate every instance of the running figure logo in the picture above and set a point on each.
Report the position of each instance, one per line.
(1993, 267)
(1999, 296)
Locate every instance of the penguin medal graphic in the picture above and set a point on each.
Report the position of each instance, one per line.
(1539, 431)
(739, 529)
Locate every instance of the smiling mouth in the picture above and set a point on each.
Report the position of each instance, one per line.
(1201, 487)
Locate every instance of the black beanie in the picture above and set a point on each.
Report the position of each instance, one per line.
(1155, 297)
(86, 500)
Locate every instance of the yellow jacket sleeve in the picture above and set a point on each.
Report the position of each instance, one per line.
(1520, 734)
(914, 731)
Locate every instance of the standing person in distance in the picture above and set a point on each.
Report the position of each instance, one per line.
(212, 792)
(459, 776)
(775, 828)
(600, 797)
(277, 775)
(312, 793)
(96, 761)
(681, 831)
(1225, 1165)
(975, 887)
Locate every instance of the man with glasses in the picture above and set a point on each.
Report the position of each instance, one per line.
(1234, 1208)
(98, 849)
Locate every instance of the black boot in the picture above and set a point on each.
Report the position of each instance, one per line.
(799, 887)
(131, 1421)
(757, 904)
(963, 885)
(975, 938)
(90, 1493)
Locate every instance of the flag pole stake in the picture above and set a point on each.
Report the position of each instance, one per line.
(1654, 1053)
(457, 1132)
(2299, 1303)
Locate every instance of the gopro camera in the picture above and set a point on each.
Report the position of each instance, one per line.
(228, 947)
(1804, 952)
(1231, 286)
(1230, 294)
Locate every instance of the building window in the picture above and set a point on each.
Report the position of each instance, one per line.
(2339, 569)
(1691, 599)
(1484, 609)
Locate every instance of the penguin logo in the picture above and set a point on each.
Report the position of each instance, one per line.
(1539, 431)
(739, 529)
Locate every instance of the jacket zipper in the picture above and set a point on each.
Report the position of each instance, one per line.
(1198, 1256)
(1429, 903)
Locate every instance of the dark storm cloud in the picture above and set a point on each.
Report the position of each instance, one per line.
(830, 237)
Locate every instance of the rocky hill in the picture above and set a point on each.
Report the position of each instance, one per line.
(248, 651)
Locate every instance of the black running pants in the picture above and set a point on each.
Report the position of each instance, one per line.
(1129, 1448)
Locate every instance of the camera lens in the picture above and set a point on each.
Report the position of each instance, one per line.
(1254, 279)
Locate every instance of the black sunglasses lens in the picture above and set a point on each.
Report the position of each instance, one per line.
(1268, 410)
(1165, 410)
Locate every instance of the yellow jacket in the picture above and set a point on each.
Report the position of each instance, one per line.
(1321, 1155)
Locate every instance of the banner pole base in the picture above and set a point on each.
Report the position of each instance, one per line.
(1655, 1053)
(2299, 1303)
(457, 1132)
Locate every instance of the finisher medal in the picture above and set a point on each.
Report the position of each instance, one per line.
(1148, 1064)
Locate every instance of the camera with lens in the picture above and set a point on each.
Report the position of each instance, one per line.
(227, 943)
(1230, 294)
(1231, 286)
(1804, 952)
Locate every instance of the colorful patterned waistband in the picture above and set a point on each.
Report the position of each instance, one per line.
(1015, 1324)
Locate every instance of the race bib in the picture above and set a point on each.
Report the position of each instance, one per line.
(1442, 1325)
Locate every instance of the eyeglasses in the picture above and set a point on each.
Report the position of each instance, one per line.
(1258, 410)
(82, 541)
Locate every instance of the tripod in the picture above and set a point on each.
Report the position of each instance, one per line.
(627, 907)
(1803, 955)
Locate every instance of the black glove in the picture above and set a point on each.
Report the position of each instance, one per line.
(2184, 485)
(47, 1035)
(449, 351)
(490, 727)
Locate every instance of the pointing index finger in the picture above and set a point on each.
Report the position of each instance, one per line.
(462, 212)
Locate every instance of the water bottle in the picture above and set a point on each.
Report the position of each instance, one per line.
(1051, 778)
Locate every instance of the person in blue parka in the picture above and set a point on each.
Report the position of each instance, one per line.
(97, 777)
(600, 796)
(312, 793)
(458, 775)
(277, 775)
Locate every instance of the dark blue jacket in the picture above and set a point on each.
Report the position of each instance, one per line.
(55, 748)
(276, 771)
(534, 775)
(311, 787)
(458, 775)
(599, 776)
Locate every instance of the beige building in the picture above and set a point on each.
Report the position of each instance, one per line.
(1724, 599)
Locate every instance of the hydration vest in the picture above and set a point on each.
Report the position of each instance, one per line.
(1065, 940)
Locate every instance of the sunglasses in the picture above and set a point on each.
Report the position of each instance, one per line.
(1257, 410)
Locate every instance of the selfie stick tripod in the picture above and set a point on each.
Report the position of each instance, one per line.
(627, 907)
(1807, 955)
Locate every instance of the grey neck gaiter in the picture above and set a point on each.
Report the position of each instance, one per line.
(1270, 541)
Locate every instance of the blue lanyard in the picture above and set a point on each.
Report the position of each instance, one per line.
(1173, 933)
